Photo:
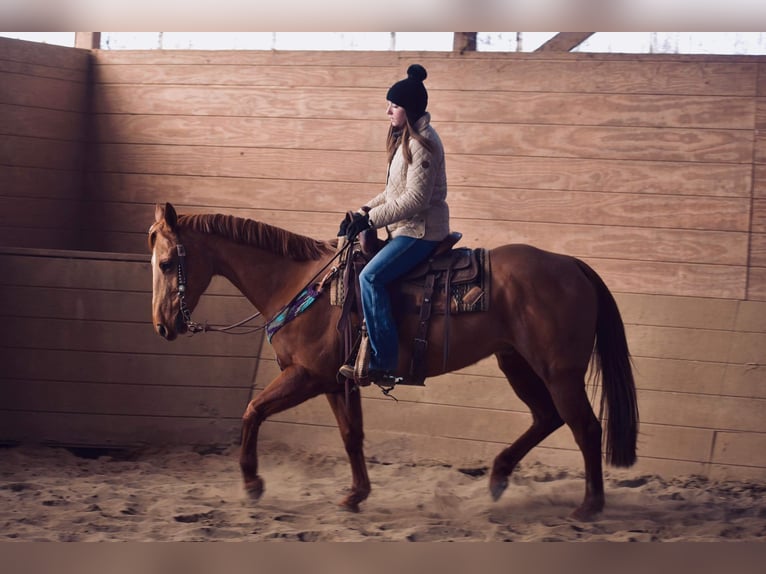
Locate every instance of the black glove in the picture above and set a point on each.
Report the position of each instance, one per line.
(343, 227)
(358, 224)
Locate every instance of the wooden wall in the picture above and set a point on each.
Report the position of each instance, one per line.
(44, 113)
(651, 168)
(641, 165)
(81, 364)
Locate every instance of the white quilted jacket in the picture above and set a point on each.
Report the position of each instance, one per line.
(414, 201)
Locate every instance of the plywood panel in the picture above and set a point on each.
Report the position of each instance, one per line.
(756, 284)
(86, 270)
(759, 181)
(249, 102)
(633, 143)
(600, 175)
(725, 282)
(719, 346)
(463, 170)
(492, 73)
(162, 367)
(760, 146)
(678, 311)
(761, 85)
(42, 153)
(703, 411)
(37, 122)
(37, 238)
(37, 92)
(35, 213)
(133, 196)
(45, 55)
(665, 144)
(32, 332)
(110, 430)
(31, 182)
(759, 216)
(92, 305)
(704, 377)
(758, 249)
(739, 447)
(122, 400)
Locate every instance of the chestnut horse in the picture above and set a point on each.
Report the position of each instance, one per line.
(549, 314)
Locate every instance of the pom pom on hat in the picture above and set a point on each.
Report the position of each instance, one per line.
(417, 72)
(410, 93)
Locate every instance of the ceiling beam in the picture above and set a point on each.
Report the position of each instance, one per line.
(464, 42)
(564, 41)
(87, 40)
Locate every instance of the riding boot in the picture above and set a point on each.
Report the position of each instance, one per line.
(358, 372)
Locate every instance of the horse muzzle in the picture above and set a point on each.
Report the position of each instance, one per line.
(169, 334)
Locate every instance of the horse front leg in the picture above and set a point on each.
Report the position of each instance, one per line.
(349, 417)
(292, 387)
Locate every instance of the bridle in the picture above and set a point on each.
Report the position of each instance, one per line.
(194, 327)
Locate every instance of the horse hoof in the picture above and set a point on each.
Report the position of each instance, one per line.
(497, 487)
(349, 506)
(254, 488)
(351, 502)
(586, 513)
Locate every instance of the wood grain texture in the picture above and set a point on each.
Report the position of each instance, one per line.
(631, 143)
(46, 55)
(43, 123)
(366, 167)
(484, 72)
(566, 108)
(132, 195)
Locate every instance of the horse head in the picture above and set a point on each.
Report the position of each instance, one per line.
(178, 279)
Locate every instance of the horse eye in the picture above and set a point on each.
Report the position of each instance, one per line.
(165, 266)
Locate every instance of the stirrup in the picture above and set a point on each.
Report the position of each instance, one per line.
(378, 377)
(358, 371)
(349, 372)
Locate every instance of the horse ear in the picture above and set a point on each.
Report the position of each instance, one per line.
(166, 213)
(159, 213)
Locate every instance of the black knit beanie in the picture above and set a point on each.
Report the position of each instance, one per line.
(410, 93)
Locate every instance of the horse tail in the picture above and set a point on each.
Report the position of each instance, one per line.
(612, 361)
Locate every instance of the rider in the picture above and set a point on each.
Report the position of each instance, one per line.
(413, 210)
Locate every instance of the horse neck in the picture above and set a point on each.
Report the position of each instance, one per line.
(266, 279)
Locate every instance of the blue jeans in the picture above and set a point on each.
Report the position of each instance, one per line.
(397, 257)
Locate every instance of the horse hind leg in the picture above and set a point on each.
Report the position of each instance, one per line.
(349, 417)
(545, 418)
(571, 400)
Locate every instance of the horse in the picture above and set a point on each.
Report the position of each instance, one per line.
(551, 319)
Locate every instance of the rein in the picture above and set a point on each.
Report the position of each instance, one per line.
(195, 327)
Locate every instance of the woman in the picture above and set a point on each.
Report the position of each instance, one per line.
(412, 209)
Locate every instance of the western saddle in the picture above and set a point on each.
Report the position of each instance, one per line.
(451, 281)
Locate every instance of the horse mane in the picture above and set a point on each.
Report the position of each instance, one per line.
(258, 234)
